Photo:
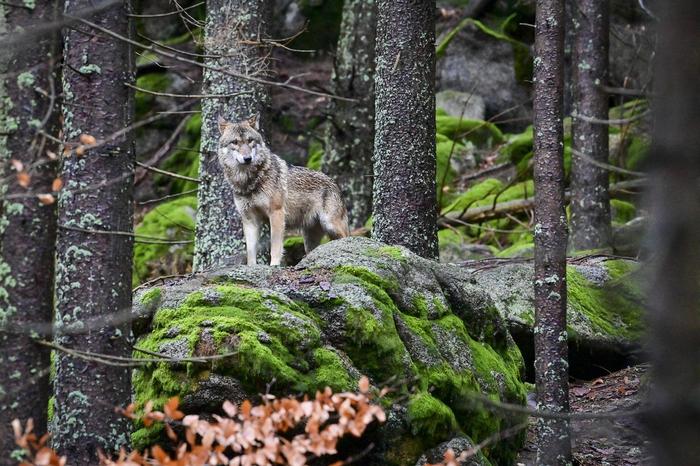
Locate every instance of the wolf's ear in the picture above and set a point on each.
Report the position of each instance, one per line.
(222, 124)
(254, 121)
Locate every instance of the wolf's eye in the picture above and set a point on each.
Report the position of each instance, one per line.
(251, 140)
(236, 142)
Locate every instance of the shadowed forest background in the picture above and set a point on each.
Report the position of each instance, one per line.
(520, 285)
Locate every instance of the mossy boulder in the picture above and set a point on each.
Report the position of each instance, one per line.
(352, 307)
(605, 308)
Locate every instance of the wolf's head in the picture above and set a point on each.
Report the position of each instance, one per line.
(240, 143)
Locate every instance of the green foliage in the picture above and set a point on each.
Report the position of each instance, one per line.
(622, 211)
(184, 160)
(315, 158)
(172, 221)
(323, 27)
(157, 82)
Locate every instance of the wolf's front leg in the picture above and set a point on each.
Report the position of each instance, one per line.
(251, 231)
(276, 236)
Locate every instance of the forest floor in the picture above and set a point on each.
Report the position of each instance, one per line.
(618, 441)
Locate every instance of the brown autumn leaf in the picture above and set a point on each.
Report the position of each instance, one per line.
(80, 150)
(23, 179)
(51, 155)
(57, 185)
(88, 139)
(46, 199)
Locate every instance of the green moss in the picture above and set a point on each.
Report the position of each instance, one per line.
(615, 309)
(151, 297)
(374, 283)
(430, 419)
(173, 221)
(478, 132)
(330, 371)
(622, 211)
(476, 193)
(637, 152)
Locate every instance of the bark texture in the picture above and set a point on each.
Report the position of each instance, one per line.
(219, 232)
(93, 271)
(405, 211)
(551, 355)
(350, 137)
(674, 296)
(27, 227)
(590, 199)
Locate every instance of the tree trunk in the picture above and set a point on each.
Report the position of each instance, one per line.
(350, 136)
(219, 232)
(551, 356)
(674, 296)
(405, 201)
(93, 271)
(590, 204)
(27, 227)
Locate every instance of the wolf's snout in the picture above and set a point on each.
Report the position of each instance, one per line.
(247, 159)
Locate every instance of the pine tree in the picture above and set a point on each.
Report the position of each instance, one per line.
(350, 136)
(405, 205)
(551, 352)
(93, 264)
(27, 225)
(674, 296)
(590, 199)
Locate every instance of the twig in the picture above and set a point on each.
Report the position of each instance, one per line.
(606, 166)
(163, 151)
(170, 13)
(169, 196)
(217, 69)
(167, 173)
(186, 96)
(620, 121)
(136, 236)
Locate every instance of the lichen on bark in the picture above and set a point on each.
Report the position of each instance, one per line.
(27, 227)
(405, 211)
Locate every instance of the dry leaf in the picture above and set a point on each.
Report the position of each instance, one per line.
(23, 179)
(46, 199)
(56, 185)
(80, 151)
(88, 139)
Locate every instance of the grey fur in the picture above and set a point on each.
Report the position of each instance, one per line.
(267, 189)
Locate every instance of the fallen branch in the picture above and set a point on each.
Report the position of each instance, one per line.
(519, 205)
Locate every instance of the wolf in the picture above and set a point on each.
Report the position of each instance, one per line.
(265, 188)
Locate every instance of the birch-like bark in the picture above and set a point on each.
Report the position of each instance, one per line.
(551, 352)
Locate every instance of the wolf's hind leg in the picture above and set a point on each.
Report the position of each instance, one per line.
(312, 237)
(276, 236)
